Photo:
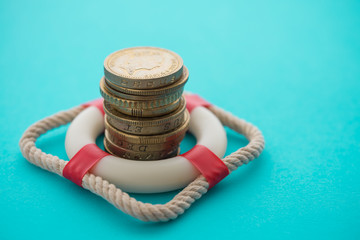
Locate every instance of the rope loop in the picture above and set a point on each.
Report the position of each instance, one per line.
(121, 200)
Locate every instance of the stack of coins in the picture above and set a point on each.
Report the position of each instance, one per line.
(145, 113)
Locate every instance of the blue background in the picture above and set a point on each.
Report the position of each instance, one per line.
(290, 67)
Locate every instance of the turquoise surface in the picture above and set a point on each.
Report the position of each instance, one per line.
(290, 67)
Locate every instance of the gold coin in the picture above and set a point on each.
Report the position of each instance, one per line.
(143, 67)
(141, 147)
(152, 98)
(146, 103)
(145, 126)
(154, 112)
(166, 90)
(175, 135)
(128, 154)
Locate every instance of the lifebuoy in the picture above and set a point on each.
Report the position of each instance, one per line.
(146, 176)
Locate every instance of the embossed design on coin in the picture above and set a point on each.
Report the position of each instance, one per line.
(136, 155)
(138, 65)
(170, 89)
(143, 67)
(145, 126)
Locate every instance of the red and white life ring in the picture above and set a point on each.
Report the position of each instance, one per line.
(147, 176)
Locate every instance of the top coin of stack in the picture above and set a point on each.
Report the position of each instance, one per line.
(145, 113)
(143, 68)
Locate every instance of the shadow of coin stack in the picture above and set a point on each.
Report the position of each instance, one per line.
(145, 113)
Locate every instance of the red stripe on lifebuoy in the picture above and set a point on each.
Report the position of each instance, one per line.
(98, 103)
(208, 164)
(82, 162)
(193, 101)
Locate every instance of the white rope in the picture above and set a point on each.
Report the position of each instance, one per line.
(122, 200)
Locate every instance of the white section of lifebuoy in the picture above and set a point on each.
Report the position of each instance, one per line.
(146, 176)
